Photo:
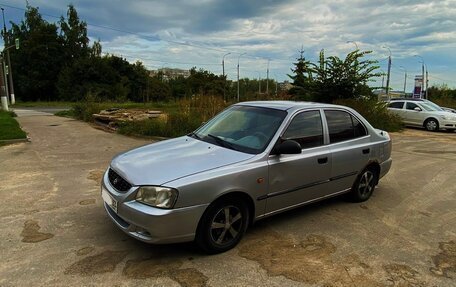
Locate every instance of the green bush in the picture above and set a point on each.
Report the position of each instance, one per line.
(376, 113)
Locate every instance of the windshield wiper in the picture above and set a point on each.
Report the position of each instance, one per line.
(222, 142)
(194, 135)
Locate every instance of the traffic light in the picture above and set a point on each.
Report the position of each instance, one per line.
(17, 43)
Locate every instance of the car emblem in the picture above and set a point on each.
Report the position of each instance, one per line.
(115, 181)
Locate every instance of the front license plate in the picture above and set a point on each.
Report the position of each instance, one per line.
(108, 199)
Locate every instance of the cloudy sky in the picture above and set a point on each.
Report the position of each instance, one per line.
(187, 33)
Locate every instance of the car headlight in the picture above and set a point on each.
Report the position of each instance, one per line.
(157, 196)
(445, 118)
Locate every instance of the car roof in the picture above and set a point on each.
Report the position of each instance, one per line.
(408, 99)
(286, 105)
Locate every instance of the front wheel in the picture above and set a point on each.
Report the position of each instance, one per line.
(222, 226)
(431, 125)
(364, 186)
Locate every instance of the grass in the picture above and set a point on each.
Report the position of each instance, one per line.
(9, 127)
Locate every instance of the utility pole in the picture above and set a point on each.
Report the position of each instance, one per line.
(223, 73)
(427, 83)
(422, 76)
(259, 83)
(9, 70)
(267, 79)
(3, 94)
(276, 86)
(405, 78)
(423, 92)
(238, 75)
(389, 74)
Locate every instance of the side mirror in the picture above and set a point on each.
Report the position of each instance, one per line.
(288, 147)
(417, 109)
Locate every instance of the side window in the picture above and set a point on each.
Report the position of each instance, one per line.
(306, 128)
(342, 126)
(360, 130)
(396, 105)
(411, 106)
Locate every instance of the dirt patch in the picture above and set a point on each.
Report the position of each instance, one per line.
(445, 261)
(96, 175)
(101, 263)
(31, 233)
(309, 260)
(164, 267)
(85, 251)
(87, 201)
(403, 275)
(189, 277)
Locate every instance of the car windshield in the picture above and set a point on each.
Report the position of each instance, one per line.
(435, 106)
(430, 108)
(242, 128)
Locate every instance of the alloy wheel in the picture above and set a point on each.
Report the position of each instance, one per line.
(226, 225)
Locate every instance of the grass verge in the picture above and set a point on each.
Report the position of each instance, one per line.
(9, 127)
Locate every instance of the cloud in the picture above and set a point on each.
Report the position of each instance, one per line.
(187, 33)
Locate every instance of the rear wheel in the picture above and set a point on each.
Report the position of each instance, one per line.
(222, 225)
(431, 125)
(364, 185)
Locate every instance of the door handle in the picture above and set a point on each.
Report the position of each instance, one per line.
(322, 160)
(366, 151)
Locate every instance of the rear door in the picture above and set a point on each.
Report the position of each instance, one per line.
(397, 108)
(350, 147)
(298, 178)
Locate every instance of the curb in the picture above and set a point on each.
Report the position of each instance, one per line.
(13, 141)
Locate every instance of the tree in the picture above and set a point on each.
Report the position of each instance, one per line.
(333, 78)
(73, 33)
(38, 62)
(302, 78)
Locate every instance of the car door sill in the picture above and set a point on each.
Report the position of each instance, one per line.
(301, 204)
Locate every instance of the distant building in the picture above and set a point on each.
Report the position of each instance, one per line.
(381, 94)
(170, 73)
(285, 86)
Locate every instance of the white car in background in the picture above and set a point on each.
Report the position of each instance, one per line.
(423, 113)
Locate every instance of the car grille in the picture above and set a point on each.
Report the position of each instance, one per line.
(117, 181)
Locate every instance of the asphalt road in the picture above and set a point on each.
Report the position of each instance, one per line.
(54, 231)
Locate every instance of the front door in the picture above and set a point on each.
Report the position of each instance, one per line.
(298, 178)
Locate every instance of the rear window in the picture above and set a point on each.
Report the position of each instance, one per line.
(396, 105)
(343, 126)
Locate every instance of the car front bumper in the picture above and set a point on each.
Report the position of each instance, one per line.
(447, 124)
(150, 224)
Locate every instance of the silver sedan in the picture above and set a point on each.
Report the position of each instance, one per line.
(252, 160)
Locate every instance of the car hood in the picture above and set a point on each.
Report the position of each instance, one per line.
(159, 163)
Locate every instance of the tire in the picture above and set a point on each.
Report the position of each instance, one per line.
(213, 234)
(431, 125)
(364, 185)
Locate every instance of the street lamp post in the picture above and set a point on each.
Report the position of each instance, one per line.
(405, 77)
(9, 70)
(238, 75)
(223, 73)
(389, 72)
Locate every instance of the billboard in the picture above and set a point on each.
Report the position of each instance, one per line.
(417, 91)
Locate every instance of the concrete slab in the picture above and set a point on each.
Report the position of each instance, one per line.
(54, 231)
